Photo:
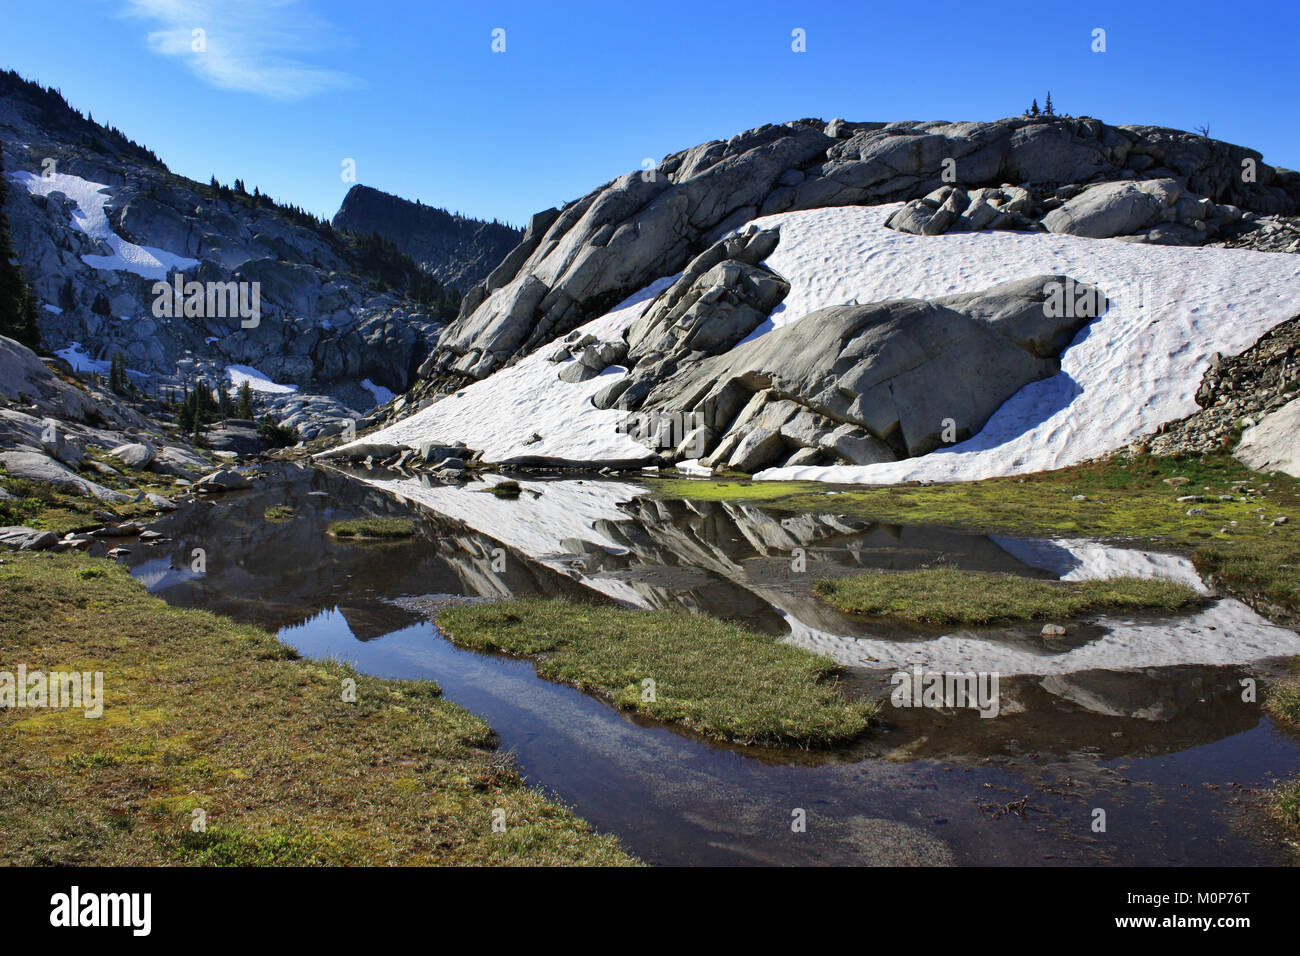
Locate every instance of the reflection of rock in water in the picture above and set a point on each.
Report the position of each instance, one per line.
(726, 560)
(736, 561)
(1109, 713)
(281, 574)
(370, 621)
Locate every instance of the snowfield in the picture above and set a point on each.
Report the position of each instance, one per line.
(257, 381)
(81, 361)
(145, 261)
(1136, 367)
(1139, 365)
(500, 414)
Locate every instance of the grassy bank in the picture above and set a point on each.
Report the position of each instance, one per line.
(1286, 806)
(951, 596)
(713, 677)
(204, 714)
(39, 505)
(1283, 700)
(372, 529)
(1233, 542)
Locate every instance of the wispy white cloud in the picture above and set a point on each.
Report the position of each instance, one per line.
(253, 46)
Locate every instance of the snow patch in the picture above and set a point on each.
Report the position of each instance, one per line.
(89, 217)
(1133, 369)
(239, 374)
(501, 414)
(80, 359)
(381, 395)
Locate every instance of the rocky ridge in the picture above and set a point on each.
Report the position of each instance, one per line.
(1073, 175)
(1236, 394)
(456, 250)
(330, 317)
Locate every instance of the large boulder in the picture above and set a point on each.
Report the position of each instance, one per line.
(1274, 443)
(722, 296)
(951, 209)
(1115, 209)
(24, 378)
(18, 538)
(877, 382)
(221, 481)
(56, 443)
(34, 466)
(237, 436)
(177, 462)
(136, 455)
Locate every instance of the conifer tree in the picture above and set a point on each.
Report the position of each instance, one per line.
(17, 304)
(244, 408)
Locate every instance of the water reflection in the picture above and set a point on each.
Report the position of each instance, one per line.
(1141, 738)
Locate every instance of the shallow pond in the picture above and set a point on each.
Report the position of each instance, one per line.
(1140, 716)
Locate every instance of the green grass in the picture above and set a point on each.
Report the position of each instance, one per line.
(1286, 804)
(951, 596)
(504, 489)
(48, 508)
(278, 513)
(1125, 499)
(221, 847)
(1284, 701)
(377, 529)
(203, 713)
(713, 677)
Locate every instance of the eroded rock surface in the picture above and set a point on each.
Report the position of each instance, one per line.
(862, 384)
(1075, 175)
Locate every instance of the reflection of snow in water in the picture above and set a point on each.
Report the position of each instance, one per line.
(545, 516)
(1072, 560)
(1225, 632)
(550, 528)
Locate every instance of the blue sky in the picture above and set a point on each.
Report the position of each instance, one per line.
(286, 90)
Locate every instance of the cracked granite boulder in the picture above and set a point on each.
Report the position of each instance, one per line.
(862, 384)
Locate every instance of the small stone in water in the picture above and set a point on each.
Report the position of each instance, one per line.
(1052, 630)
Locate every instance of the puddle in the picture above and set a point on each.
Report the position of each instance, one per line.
(1140, 717)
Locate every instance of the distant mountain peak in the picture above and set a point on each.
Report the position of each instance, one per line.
(456, 250)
